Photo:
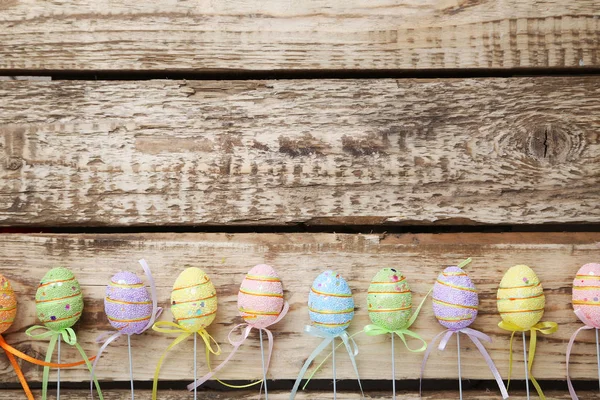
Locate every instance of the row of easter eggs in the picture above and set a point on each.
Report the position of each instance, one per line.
(128, 305)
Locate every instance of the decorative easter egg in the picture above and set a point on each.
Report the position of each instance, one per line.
(8, 304)
(389, 300)
(586, 293)
(521, 298)
(58, 300)
(260, 299)
(127, 303)
(194, 299)
(330, 303)
(455, 299)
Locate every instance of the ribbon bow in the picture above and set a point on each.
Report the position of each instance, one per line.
(348, 341)
(476, 337)
(156, 311)
(68, 335)
(543, 327)
(374, 330)
(246, 329)
(11, 352)
(171, 327)
(588, 325)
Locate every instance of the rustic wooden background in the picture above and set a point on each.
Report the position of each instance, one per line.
(351, 135)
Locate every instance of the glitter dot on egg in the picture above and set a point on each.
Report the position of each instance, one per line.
(595, 299)
(73, 288)
(60, 283)
(592, 273)
(53, 318)
(121, 282)
(68, 307)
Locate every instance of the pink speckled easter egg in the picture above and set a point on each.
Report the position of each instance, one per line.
(260, 299)
(127, 304)
(455, 299)
(586, 292)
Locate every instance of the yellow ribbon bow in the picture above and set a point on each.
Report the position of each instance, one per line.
(171, 327)
(546, 328)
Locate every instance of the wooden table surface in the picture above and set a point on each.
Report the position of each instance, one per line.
(308, 135)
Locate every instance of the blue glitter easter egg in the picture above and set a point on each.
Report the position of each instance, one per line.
(330, 303)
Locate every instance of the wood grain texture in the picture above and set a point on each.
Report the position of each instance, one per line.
(282, 395)
(299, 258)
(287, 35)
(494, 151)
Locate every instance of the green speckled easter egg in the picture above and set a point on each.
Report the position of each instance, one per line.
(58, 300)
(389, 299)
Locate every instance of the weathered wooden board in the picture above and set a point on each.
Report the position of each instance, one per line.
(512, 151)
(282, 395)
(283, 35)
(299, 258)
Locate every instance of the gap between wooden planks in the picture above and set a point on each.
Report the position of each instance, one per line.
(242, 395)
(332, 152)
(299, 258)
(290, 35)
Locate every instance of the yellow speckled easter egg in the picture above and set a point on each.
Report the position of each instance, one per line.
(58, 300)
(8, 304)
(521, 298)
(194, 299)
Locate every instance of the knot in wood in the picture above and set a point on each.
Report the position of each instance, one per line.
(13, 163)
(546, 140)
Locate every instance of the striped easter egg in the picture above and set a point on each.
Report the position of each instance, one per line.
(586, 293)
(8, 304)
(194, 300)
(330, 303)
(389, 300)
(260, 299)
(455, 299)
(127, 303)
(521, 298)
(58, 300)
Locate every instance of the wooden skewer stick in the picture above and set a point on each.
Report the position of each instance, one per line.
(195, 368)
(459, 372)
(393, 370)
(333, 361)
(58, 369)
(262, 356)
(525, 361)
(598, 356)
(130, 365)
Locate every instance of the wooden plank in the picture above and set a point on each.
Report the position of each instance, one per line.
(299, 258)
(274, 35)
(494, 151)
(282, 395)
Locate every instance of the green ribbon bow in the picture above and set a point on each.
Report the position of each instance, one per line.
(68, 335)
(374, 330)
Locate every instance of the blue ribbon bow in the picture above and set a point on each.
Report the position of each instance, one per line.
(351, 347)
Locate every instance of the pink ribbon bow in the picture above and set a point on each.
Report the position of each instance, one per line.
(588, 325)
(246, 329)
(476, 337)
